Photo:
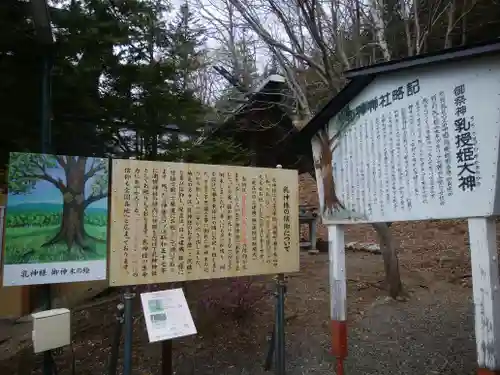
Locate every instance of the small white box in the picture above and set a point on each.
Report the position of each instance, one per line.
(51, 329)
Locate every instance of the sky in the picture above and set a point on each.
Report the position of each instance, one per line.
(45, 192)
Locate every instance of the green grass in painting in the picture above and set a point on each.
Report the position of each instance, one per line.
(26, 232)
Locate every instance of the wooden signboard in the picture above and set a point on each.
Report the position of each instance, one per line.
(175, 222)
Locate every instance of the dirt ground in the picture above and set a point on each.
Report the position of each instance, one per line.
(432, 333)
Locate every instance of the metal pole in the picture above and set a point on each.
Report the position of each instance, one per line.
(166, 357)
(45, 116)
(280, 324)
(129, 317)
(271, 350)
(115, 346)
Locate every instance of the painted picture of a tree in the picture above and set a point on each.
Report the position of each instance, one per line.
(56, 208)
(325, 143)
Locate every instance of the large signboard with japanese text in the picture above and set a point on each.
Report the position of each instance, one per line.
(414, 145)
(175, 222)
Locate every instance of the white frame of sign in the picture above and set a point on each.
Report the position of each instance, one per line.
(428, 154)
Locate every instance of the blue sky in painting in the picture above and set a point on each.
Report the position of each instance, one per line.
(44, 192)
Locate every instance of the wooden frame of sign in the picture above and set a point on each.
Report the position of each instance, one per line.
(177, 222)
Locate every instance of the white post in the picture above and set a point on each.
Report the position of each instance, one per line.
(338, 294)
(486, 293)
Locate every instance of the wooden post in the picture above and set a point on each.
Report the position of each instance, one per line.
(486, 293)
(338, 294)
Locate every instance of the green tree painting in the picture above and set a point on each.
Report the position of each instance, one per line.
(56, 209)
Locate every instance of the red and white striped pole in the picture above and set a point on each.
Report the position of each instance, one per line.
(338, 294)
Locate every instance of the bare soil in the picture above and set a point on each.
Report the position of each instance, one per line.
(411, 337)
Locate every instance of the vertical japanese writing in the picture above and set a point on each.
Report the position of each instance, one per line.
(268, 219)
(446, 143)
(372, 157)
(286, 218)
(340, 154)
(173, 233)
(387, 165)
(430, 149)
(438, 149)
(164, 226)
(392, 160)
(230, 220)
(406, 160)
(213, 225)
(237, 221)
(365, 159)
(358, 158)
(154, 221)
(413, 149)
(126, 217)
(137, 212)
(274, 223)
(198, 219)
(222, 222)
(145, 230)
(254, 219)
(465, 143)
(352, 173)
(191, 197)
(380, 146)
(422, 151)
(206, 222)
(244, 233)
(181, 211)
(261, 225)
(398, 199)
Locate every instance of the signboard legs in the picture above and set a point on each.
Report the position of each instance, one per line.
(486, 293)
(338, 294)
(280, 324)
(129, 320)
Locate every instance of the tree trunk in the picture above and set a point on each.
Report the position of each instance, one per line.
(72, 231)
(389, 255)
(391, 262)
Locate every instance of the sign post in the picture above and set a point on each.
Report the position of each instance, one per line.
(486, 293)
(410, 147)
(128, 297)
(175, 222)
(338, 294)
